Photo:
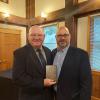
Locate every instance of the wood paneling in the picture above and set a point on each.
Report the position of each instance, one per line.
(52, 17)
(30, 9)
(15, 20)
(94, 98)
(9, 41)
(88, 6)
(70, 13)
(96, 85)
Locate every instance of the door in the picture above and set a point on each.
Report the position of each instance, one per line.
(9, 41)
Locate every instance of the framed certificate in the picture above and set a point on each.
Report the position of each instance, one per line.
(51, 72)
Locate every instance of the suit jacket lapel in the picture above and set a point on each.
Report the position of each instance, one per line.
(66, 60)
(35, 59)
(67, 57)
(46, 54)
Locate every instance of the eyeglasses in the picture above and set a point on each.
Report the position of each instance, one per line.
(36, 35)
(62, 35)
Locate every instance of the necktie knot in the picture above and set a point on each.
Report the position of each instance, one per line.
(38, 50)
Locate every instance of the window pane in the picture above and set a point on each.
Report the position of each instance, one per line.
(95, 43)
(50, 46)
(50, 32)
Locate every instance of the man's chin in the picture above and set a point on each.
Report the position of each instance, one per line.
(62, 45)
(36, 45)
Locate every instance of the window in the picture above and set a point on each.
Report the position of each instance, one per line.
(50, 32)
(95, 42)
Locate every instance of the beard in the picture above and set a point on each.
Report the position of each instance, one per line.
(62, 44)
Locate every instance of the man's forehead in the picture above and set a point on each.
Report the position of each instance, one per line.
(36, 30)
(63, 31)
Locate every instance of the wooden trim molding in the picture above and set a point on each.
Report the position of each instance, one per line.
(30, 9)
(88, 36)
(96, 85)
(88, 7)
(55, 16)
(75, 2)
(94, 98)
(5, 1)
(12, 19)
(96, 73)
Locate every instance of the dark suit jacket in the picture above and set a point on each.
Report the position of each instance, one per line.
(29, 75)
(74, 82)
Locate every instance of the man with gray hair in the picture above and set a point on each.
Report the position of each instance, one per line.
(29, 68)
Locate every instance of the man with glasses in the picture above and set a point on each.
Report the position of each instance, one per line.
(73, 69)
(29, 68)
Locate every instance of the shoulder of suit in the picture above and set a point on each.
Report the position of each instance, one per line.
(46, 48)
(21, 49)
(54, 51)
(78, 50)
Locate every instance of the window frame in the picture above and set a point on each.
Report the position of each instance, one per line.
(91, 20)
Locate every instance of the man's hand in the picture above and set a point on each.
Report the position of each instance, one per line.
(49, 82)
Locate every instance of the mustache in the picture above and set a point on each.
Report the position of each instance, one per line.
(61, 41)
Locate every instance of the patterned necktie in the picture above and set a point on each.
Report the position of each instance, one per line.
(41, 58)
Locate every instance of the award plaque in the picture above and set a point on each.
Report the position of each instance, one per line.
(51, 71)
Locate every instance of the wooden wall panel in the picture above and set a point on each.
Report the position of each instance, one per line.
(96, 84)
(30, 9)
(15, 20)
(94, 98)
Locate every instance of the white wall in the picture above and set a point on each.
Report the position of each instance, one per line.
(48, 6)
(14, 7)
(61, 24)
(23, 32)
(82, 32)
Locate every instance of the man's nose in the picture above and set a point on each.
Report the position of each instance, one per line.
(36, 36)
(62, 37)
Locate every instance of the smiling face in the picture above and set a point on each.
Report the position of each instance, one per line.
(36, 36)
(63, 37)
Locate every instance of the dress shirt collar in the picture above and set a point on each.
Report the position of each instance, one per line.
(38, 48)
(63, 50)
